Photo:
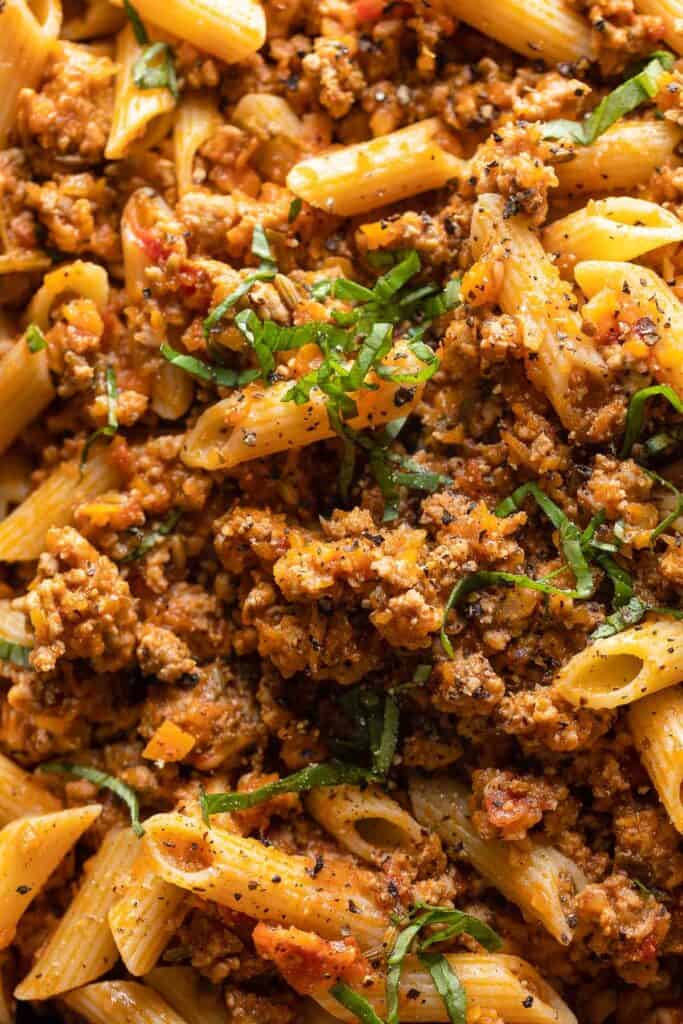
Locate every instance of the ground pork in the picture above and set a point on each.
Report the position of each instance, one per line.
(506, 805)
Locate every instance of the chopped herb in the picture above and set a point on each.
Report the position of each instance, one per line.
(448, 985)
(101, 779)
(311, 777)
(456, 923)
(642, 888)
(422, 674)
(266, 271)
(355, 1003)
(112, 419)
(668, 521)
(639, 89)
(152, 538)
(383, 740)
(635, 416)
(16, 653)
(626, 615)
(35, 339)
(221, 375)
(294, 210)
(139, 30)
(160, 75)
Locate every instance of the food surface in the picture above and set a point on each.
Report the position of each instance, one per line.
(341, 511)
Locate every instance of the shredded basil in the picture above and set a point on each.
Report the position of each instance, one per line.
(112, 425)
(311, 777)
(383, 741)
(294, 210)
(422, 674)
(664, 525)
(355, 1003)
(35, 339)
(448, 985)
(266, 271)
(635, 416)
(639, 89)
(151, 72)
(16, 653)
(224, 376)
(101, 779)
(139, 30)
(152, 538)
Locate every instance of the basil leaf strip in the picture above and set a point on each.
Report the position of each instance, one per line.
(622, 100)
(101, 779)
(636, 413)
(16, 653)
(152, 538)
(383, 743)
(112, 418)
(139, 30)
(448, 985)
(664, 525)
(221, 375)
(35, 339)
(266, 272)
(355, 1003)
(162, 75)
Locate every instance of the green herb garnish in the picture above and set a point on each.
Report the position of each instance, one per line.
(146, 73)
(223, 376)
(294, 210)
(153, 537)
(112, 425)
(266, 271)
(139, 30)
(355, 1003)
(35, 339)
(671, 518)
(16, 653)
(639, 89)
(101, 779)
(635, 416)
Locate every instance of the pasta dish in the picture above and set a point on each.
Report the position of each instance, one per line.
(341, 511)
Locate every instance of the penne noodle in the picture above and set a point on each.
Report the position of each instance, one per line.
(264, 882)
(99, 19)
(196, 121)
(26, 41)
(25, 390)
(87, 280)
(658, 301)
(21, 795)
(172, 392)
(15, 481)
(257, 422)
(562, 363)
(120, 1002)
(359, 178)
(135, 110)
(548, 30)
(146, 916)
(189, 994)
(505, 985)
(366, 822)
(53, 503)
(81, 947)
(619, 228)
(30, 850)
(14, 625)
(656, 724)
(671, 12)
(625, 667)
(622, 158)
(23, 261)
(229, 29)
(535, 876)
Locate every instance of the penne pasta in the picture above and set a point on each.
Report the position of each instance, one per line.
(53, 503)
(99, 19)
(81, 947)
(671, 12)
(15, 485)
(562, 361)
(359, 178)
(505, 985)
(535, 876)
(626, 667)
(120, 1002)
(87, 280)
(146, 916)
(30, 850)
(264, 882)
(21, 795)
(172, 392)
(549, 30)
(257, 422)
(26, 41)
(229, 29)
(366, 822)
(196, 121)
(136, 111)
(189, 994)
(14, 625)
(25, 390)
(622, 158)
(619, 228)
(656, 724)
(646, 289)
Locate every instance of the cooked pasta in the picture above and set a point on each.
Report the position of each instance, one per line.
(656, 724)
(20, 795)
(119, 1002)
(190, 995)
(550, 29)
(136, 111)
(365, 822)
(28, 36)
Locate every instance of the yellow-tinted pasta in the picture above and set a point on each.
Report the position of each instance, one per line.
(367, 822)
(121, 1002)
(623, 157)
(531, 289)
(503, 984)
(671, 11)
(657, 301)
(25, 390)
(80, 278)
(15, 472)
(189, 994)
(99, 19)
(146, 916)
(547, 29)
(53, 503)
(20, 794)
(81, 947)
(535, 876)
(196, 121)
(359, 178)
(229, 29)
(619, 228)
(30, 850)
(26, 40)
(14, 625)
(136, 111)
(239, 873)
(623, 668)
(656, 724)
